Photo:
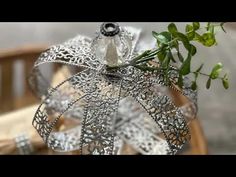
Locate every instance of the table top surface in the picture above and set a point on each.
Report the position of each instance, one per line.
(17, 121)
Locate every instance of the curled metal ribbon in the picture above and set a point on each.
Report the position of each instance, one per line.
(111, 108)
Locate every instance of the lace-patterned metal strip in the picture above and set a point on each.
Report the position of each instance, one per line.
(96, 95)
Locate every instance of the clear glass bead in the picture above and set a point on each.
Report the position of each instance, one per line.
(112, 47)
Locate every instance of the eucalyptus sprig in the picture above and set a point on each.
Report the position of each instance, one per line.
(169, 42)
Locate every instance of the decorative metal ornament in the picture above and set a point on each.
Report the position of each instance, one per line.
(111, 108)
(23, 144)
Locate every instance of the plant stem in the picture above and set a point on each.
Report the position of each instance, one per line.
(144, 57)
(207, 75)
(120, 66)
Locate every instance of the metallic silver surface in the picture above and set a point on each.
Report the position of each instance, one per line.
(23, 144)
(95, 97)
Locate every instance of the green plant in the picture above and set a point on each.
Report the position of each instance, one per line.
(170, 41)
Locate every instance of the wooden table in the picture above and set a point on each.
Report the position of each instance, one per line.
(17, 121)
(20, 121)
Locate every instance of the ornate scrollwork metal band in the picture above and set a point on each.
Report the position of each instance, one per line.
(23, 144)
(128, 105)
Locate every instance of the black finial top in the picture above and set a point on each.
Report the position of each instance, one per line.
(110, 29)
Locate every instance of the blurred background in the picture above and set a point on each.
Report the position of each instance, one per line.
(217, 106)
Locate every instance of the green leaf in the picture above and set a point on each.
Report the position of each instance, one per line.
(200, 67)
(154, 34)
(167, 35)
(216, 71)
(190, 32)
(173, 44)
(162, 55)
(208, 84)
(180, 81)
(191, 35)
(171, 56)
(188, 28)
(194, 85)
(196, 25)
(163, 37)
(159, 38)
(193, 50)
(166, 62)
(172, 28)
(198, 38)
(211, 29)
(208, 39)
(225, 81)
(180, 56)
(166, 77)
(185, 68)
(184, 40)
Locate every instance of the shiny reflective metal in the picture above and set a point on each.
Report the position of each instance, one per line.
(112, 107)
(23, 144)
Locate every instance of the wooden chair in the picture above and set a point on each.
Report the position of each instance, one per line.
(27, 55)
(8, 58)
